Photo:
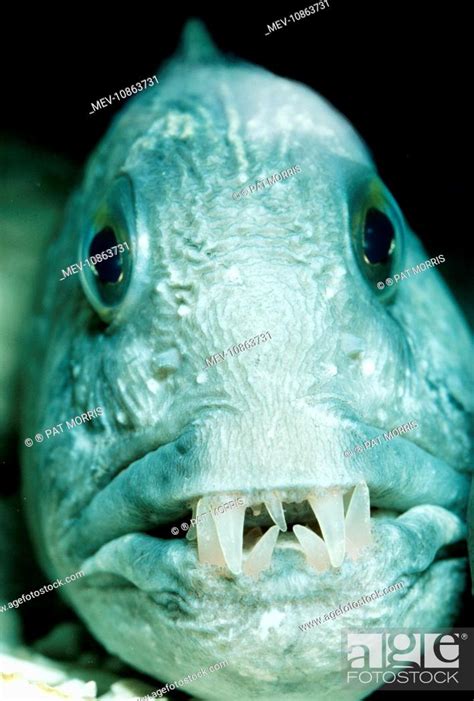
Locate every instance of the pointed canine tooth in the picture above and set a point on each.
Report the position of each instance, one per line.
(230, 530)
(358, 535)
(192, 533)
(275, 509)
(329, 510)
(261, 555)
(209, 549)
(313, 547)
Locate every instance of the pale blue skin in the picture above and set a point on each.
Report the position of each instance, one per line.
(279, 417)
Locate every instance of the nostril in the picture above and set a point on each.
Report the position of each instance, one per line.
(163, 373)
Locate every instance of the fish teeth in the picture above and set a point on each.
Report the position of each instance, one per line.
(358, 521)
(313, 547)
(260, 556)
(275, 509)
(230, 532)
(329, 510)
(209, 549)
(220, 528)
(191, 533)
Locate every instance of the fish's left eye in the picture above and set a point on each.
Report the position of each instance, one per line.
(377, 231)
(379, 236)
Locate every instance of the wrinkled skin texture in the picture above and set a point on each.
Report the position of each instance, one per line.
(208, 271)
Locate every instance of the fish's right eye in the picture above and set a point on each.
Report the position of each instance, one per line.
(108, 264)
(107, 250)
(107, 273)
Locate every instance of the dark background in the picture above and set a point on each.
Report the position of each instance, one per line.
(397, 70)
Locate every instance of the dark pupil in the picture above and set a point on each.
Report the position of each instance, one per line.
(108, 270)
(378, 236)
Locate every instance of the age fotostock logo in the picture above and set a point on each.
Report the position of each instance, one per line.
(409, 660)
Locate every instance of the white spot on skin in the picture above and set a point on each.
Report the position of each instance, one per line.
(81, 442)
(329, 292)
(368, 367)
(183, 310)
(382, 416)
(153, 385)
(270, 619)
(121, 418)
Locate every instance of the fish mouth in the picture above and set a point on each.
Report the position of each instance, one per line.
(244, 535)
(237, 533)
(320, 534)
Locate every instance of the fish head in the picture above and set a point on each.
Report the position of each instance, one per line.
(240, 350)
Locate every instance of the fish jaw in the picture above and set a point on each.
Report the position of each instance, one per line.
(166, 598)
(171, 607)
